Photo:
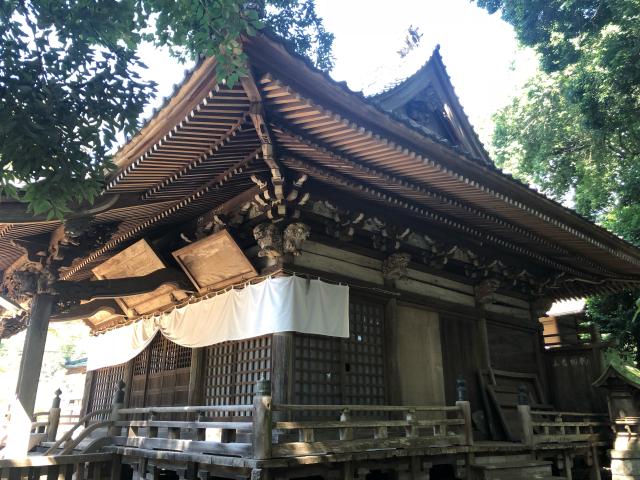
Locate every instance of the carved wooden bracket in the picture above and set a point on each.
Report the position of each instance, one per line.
(396, 266)
(275, 242)
(269, 238)
(280, 198)
(485, 290)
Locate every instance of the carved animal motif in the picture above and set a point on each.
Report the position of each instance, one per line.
(485, 290)
(269, 240)
(294, 236)
(395, 266)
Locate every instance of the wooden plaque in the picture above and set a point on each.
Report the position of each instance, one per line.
(215, 262)
(135, 261)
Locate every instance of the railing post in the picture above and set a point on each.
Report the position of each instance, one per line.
(411, 429)
(524, 411)
(465, 409)
(118, 403)
(262, 427)
(54, 417)
(346, 433)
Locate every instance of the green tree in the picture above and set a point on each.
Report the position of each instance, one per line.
(70, 82)
(575, 129)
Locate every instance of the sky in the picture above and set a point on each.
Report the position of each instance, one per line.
(480, 51)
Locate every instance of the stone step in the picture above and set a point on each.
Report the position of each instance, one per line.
(512, 470)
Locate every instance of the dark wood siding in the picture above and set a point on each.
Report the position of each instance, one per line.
(460, 353)
(513, 348)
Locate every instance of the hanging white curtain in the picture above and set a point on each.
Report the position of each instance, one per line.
(280, 304)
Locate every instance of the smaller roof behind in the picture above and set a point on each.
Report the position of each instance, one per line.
(428, 98)
(628, 374)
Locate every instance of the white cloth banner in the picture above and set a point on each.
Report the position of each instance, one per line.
(283, 304)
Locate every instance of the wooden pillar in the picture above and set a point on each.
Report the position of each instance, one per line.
(538, 311)
(86, 394)
(196, 377)
(33, 351)
(483, 353)
(127, 377)
(282, 369)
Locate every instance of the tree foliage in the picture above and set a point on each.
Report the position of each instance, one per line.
(575, 129)
(70, 78)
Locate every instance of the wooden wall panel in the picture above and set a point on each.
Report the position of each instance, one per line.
(460, 354)
(571, 373)
(419, 354)
(512, 348)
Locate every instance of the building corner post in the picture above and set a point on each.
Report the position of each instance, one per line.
(33, 351)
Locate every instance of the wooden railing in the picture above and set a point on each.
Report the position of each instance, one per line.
(145, 428)
(554, 427)
(627, 426)
(418, 426)
(68, 467)
(250, 431)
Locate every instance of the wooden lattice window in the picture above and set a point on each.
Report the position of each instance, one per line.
(166, 355)
(317, 370)
(233, 368)
(103, 387)
(161, 374)
(364, 354)
(335, 371)
(140, 363)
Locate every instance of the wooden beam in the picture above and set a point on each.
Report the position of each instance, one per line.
(121, 287)
(86, 310)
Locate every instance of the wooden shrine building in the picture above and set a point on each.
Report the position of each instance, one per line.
(293, 280)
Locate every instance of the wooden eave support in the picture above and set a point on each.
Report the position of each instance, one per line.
(86, 310)
(257, 115)
(376, 194)
(432, 193)
(121, 287)
(214, 183)
(270, 57)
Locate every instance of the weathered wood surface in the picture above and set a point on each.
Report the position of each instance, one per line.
(33, 351)
(181, 445)
(68, 439)
(214, 262)
(67, 467)
(542, 426)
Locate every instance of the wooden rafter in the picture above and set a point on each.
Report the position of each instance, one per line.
(358, 140)
(434, 194)
(397, 202)
(213, 184)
